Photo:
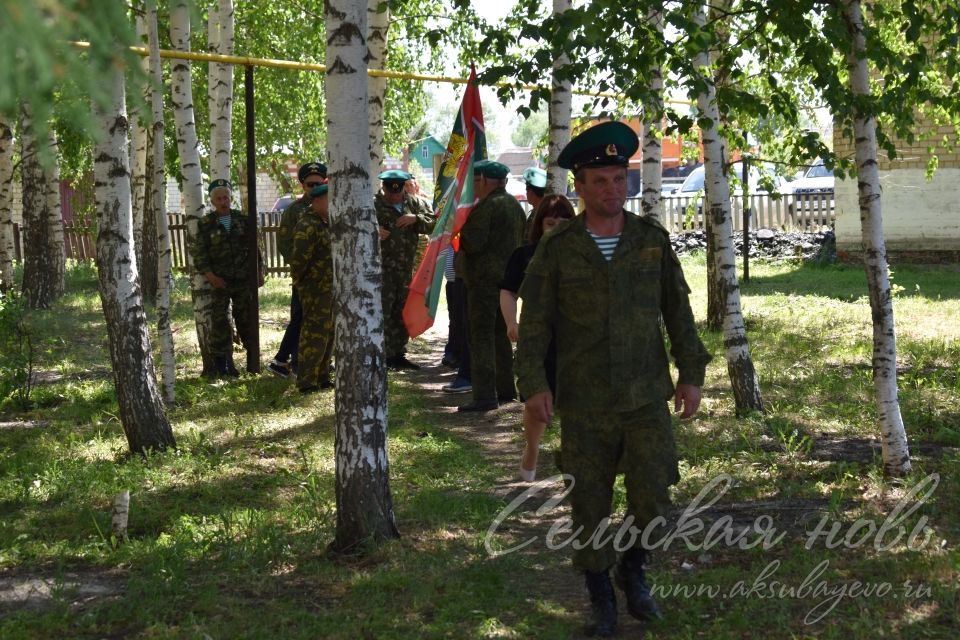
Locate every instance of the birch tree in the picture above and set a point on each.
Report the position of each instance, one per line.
(7, 248)
(187, 146)
(378, 28)
(743, 375)
(158, 208)
(138, 154)
(561, 107)
(42, 236)
(364, 503)
(220, 89)
(896, 454)
(141, 410)
(651, 171)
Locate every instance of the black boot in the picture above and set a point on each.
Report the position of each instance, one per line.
(603, 604)
(631, 579)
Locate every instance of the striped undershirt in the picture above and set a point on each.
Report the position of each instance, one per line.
(227, 222)
(606, 244)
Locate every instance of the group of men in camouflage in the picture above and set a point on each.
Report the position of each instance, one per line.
(601, 285)
(221, 253)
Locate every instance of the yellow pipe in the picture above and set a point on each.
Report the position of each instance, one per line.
(310, 66)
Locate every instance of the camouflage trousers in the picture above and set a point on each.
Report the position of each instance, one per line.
(594, 447)
(491, 355)
(316, 338)
(221, 335)
(394, 296)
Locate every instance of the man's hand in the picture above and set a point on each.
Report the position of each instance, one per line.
(384, 234)
(513, 331)
(687, 397)
(405, 220)
(540, 406)
(215, 280)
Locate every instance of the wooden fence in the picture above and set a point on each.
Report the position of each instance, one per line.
(807, 212)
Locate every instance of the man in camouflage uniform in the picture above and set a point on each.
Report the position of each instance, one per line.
(601, 283)
(402, 218)
(310, 175)
(311, 265)
(492, 231)
(221, 252)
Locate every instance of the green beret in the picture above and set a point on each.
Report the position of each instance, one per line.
(535, 177)
(311, 169)
(490, 169)
(395, 175)
(606, 144)
(318, 190)
(218, 184)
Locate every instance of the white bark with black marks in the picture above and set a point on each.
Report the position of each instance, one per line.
(743, 376)
(41, 238)
(651, 172)
(158, 202)
(188, 148)
(220, 89)
(561, 105)
(138, 145)
(141, 410)
(378, 28)
(894, 448)
(7, 248)
(364, 505)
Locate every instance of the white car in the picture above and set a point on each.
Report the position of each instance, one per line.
(814, 192)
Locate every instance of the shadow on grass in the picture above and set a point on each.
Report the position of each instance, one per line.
(848, 282)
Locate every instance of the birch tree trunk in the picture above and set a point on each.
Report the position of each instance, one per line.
(716, 304)
(561, 106)
(378, 27)
(42, 232)
(650, 137)
(896, 454)
(187, 146)
(220, 90)
(141, 410)
(743, 375)
(158, 207)
(54, 210)
(7, 249)
(364, 504)
(138, 168)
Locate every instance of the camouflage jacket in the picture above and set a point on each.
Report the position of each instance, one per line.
(492, 231)
(225, 253)
(399, 250)
(311, 260)
(288, 222)
(606, 318)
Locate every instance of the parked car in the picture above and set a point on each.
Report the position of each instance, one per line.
(283, 202)
(813, 194)
(692, 187)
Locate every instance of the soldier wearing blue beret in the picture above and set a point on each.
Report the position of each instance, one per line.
(311, 266)
(310, 175)
(494, 228)
(600, 284)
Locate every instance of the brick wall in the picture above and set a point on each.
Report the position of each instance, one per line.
(919, 215)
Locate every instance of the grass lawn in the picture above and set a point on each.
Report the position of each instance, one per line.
(228, 533)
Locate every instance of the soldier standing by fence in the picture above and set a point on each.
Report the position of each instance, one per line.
(221, 254)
